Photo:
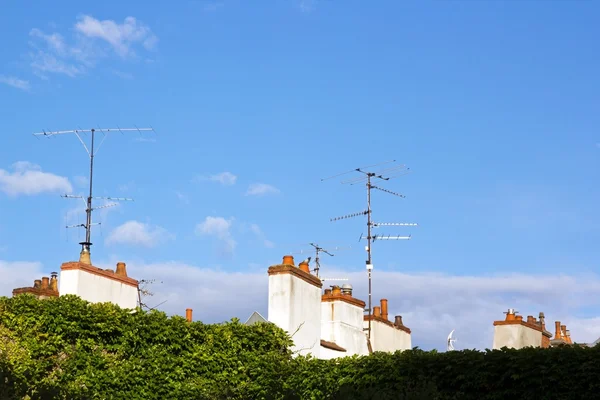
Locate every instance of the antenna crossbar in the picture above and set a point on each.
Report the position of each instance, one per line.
(376, 224)
(350, 215)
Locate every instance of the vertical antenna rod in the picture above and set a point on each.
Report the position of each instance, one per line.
(367, 178)
(92, 151)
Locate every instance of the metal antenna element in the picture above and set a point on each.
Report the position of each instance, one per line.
(368, 176)
(92, 151)
(318, 250)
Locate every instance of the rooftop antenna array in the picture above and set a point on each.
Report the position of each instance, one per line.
(367, 178)
(92, 151)
(318, 250)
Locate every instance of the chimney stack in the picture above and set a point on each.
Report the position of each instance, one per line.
(54, 282)
(45, 282)
(121, 269)
(288, 260)
(398, 320)
(557, 334)
(188, 314)
(377, 311)
(384, 309)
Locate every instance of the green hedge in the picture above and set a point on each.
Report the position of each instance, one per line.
(66, 348)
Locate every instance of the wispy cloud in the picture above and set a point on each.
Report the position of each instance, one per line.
(307, 5)
(15, 82)
(139, 234)
(144, 140)
(28, 179)
(220, 228)
(261, 189)
(81, 181)
(224, 178)
(182, 197)
(93, 40)
(254, 228)
(121, 37)
(124, 75)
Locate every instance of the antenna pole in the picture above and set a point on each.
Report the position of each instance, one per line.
(369, 261)
(88, 236)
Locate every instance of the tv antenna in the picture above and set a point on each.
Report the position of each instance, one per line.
(369, 176)
(450, 341)
(318, 250)
(92, 151)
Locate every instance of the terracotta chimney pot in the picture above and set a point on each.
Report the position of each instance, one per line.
(557, 334)
(377, 311)
(45, 283)
(398, 320)
(530, 319)
(121, 269)
(384, 309)
(304, 267)
(510, 315)
(188, 314)
(288, 260)
(327, 292)
(563, 331)
(37, 283)
(336, 290)
(519, 317)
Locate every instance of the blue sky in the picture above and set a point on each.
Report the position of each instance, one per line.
(493, 105)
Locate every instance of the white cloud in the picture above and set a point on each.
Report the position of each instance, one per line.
(260, 234)
(18, 274)
(139, 233)
(182, 197)
(29, 179)
(220, 228)
(120, 36)
(430, 304)
(15, 82)
(52, 53)
(224, 178)
(261, 189)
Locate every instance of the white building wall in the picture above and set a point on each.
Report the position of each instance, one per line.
(295, 306)
(516, 336)
(388, 338)
(342, 324)
(97, 289)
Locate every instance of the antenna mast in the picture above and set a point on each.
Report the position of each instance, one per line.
(367, 178)
(92, 151)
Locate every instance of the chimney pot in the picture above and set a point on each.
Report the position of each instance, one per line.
(398, 320)
(510, 315)
(384, 309)
(336, 290)
(54, 282)
(121, 269)
(304, 267)
(84, 257)
(288, 260)
(530, 319)
(45, 282)
(519, 317)
(557, 334)
(563, 331)
(188, 314)
(37, 283)
(377, 311)
(327, 292)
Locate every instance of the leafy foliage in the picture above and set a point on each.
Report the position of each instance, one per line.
(66, 348)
